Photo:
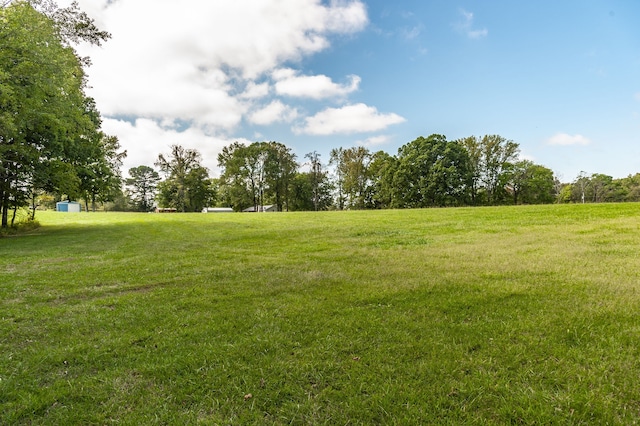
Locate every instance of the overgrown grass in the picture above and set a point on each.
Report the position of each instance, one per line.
(484, 316)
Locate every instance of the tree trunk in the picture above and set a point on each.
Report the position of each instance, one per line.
(5, 210)
(13, 217)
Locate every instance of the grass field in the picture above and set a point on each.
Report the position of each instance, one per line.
(525, 315)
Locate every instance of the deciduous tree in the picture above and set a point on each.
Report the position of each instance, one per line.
(184, 176)
(431, 172)
(142, 186)
(45, 116)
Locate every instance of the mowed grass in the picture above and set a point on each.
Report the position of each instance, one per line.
(525, 315)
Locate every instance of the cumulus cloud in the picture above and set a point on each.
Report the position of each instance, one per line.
(275, 112)
(566, 139)
(194, 73)
(374, 141)
(290, 83)
(190, 61)
(358, 118)
(466, 26)
(144, 139)
(254, 90)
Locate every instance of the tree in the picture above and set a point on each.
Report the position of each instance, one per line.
(496, 154)
(184, 178)
(382, 168)
(473, 146)
(99, 172)
(305, 198)
(253, 174)
(280, 168)
(235, 189)
(603, 188)
(352, 169)
(44, 114)
(336, 159)
(530, 183)
(431, 172)
(580, 187)
(631, 187)
(316, 176)
(142, 185)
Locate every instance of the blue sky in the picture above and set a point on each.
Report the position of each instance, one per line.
(561, 78)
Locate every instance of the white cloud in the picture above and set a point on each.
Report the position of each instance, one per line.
(466, 26)
(358, 118)
(275, 112)
(255, 91)
(193, 73)
(145, 139)
(637, 96)
(375, 141)
(190, 61)
(289, 83)
(566, 139)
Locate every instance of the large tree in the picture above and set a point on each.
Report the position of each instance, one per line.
(431, 172)
(530, 183)
(142, 185)
(473, 145)
(257, 174)
(185, 178)
(316, 174)
(280, 168)
(352, 179)
(382, 169)
(496, 154)
(337, 160)
(99, 172)
(45, 116)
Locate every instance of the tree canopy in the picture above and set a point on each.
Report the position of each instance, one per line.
(50, 136)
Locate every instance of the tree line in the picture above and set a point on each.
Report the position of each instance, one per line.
(52, 148)
(427, 172)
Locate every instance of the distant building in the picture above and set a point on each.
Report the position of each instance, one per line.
(266, 209)
(68, 207)
(217, 210)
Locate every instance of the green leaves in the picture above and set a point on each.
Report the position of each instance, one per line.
(49, 128)
(187, 185)
(257, 174)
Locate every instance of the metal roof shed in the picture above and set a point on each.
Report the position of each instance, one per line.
(68, 206)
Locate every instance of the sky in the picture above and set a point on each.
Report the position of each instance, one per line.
(560, 78)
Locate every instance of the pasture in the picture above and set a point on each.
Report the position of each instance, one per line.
(442, 316)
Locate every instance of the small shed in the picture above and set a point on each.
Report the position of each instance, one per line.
(68, 207)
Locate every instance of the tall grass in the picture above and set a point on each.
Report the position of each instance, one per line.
(488, 315)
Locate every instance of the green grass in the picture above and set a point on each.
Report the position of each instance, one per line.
(524, 315)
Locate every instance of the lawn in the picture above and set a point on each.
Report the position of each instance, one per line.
(526, 315)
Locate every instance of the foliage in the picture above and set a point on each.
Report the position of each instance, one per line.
(257, 174)
(142, 187)
(186, 186)
(99, 170)
(431, 172)
(382, 169)
(530, 183)
(47, 123)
